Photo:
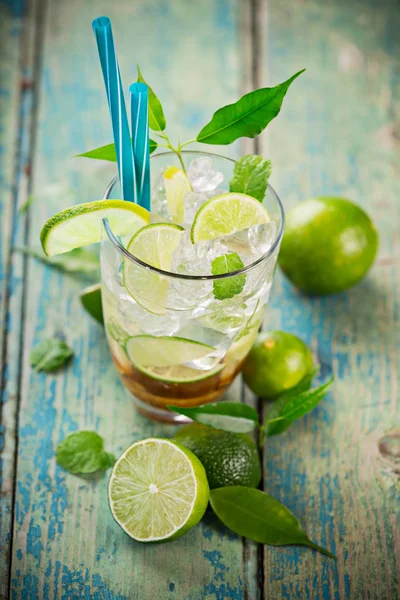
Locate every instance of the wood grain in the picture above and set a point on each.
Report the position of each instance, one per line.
(66, 544)
(336, 135)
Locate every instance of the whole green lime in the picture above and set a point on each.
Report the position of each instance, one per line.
(228, 458)
(276, 362)
(328, 246)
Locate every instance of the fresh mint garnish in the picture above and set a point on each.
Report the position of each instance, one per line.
(157, 120)
(83, 452)
(108, 152)
(247, 117)
(229, 287)
(259, 517)
(77, 262)
(292, 405)
(50, 354)
(250, 176)
(228, 416)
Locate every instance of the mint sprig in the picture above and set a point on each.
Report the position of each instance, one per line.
(231, 286)
(83, 452)
(250, 176)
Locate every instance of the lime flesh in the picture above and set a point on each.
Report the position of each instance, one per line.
(158, 490)
(154, 245)
(176, 185)
(80, 225)
(224, 215)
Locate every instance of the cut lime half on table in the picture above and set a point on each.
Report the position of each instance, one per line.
(176, 185)
(154, 245)
(165, 358)
(224, 215)
(80, 225)
(158, 490)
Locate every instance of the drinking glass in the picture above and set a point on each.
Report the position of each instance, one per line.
(190, 313)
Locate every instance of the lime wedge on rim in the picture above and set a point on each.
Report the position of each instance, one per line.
(158, 490)
(224, 215)
(80, 225)
(176, 185)
(154, 245)
(164, 351)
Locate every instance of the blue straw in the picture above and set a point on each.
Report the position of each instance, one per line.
(140, 140)
(116, 103)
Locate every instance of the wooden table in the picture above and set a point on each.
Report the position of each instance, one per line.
(338, 133)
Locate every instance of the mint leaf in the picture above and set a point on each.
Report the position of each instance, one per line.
(24, 207)
(229, 287)
(83, 452)
(294, 404)
(259, 517)
(228, 416)
(250, 176)
(76, 262)
(108, 152)
(247, 117)
(157, 120)
(50, 354)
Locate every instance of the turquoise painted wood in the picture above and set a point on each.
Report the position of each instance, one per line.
(337, 134)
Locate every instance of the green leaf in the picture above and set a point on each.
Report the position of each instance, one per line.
(247, 117)
(259, 517)
(108, 152)
(157, 120)
(77, 262)
(250, 176)
(91, 302)
(83, 452)
(294, 404)
(50, 354)
(228, 416)
(229, 287)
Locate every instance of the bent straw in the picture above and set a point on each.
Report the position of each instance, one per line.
(140, 140)
(115, 96)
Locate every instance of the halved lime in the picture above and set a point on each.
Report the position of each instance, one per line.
(176, 185)
(91, 300)
(80, 225)
(164, 351)
(154, 245)
(224, 215)
(158, 490)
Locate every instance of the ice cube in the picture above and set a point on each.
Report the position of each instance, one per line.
(203, 176)
(261, 237)
(196, 259)
(132, 315)
(193, 201)
(159, 202)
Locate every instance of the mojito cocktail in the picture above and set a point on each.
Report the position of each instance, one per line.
(181, 305)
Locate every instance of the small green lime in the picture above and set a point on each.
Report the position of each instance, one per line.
(228, 458)
(277, 362)
(328, 246)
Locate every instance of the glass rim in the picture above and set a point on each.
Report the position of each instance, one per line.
(122, 250)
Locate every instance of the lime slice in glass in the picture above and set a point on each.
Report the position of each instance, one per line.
(176, 185)
(179, 373)
(224, 215)
(164, 351)
(154, 245)
(80, 225)
(158, 490)
(91, 301)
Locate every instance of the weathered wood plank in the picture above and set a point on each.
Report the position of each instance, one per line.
(15, 111)
(337, 134)
(66, 544)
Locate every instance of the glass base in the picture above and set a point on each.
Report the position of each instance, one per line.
(158, 414)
